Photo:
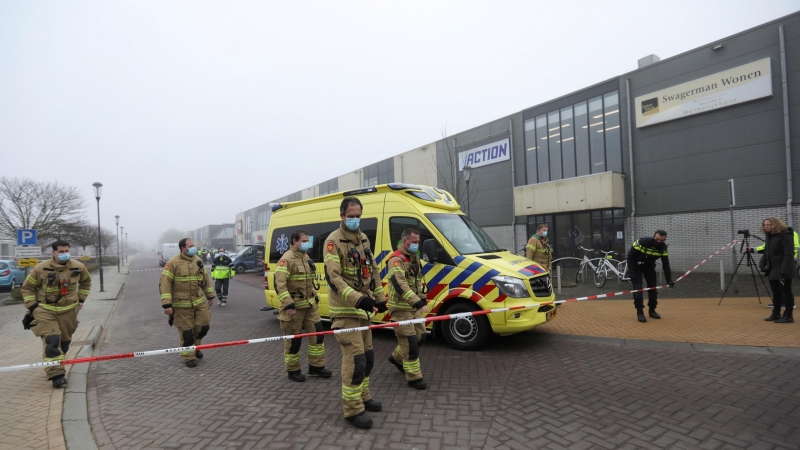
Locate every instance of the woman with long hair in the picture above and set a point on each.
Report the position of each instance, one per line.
(777, 263)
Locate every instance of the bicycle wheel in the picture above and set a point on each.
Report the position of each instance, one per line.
(600, 277)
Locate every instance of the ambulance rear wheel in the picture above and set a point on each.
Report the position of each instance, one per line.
(466, 333)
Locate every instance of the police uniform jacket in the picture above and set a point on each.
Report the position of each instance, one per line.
(45, 282)
(777, 261)
(184, 282)
(351, 272)
(648, 250)
(405, 280)
(294, 280)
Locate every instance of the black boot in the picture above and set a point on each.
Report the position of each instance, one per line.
(361, 420)
(654, 314)
(773, 317)
(321, 372)
(396, 364)
(296, 375)
(418, 384)
(372, 406)
(640, 315)
(198, 354)
(785, 319)
(59, 381)
(192, 363)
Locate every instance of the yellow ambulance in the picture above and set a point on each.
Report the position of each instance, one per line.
(464, 270)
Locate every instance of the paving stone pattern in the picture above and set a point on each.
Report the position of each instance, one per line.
(522, 391)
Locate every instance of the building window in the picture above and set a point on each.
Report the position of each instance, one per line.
(567, 142)
(596, 141)
(329, 187)
(582, 159)
(379, 173)
(530, 150)
(554, 141)
(542, 158)
(612, 131)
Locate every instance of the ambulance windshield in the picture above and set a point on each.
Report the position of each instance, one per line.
(465, 236)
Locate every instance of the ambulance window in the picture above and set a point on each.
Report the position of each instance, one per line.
(398, 224)
(282, 240)
(368, 227)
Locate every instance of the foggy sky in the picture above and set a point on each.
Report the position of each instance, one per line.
(190, 112)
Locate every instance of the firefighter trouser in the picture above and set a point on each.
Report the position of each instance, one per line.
(409, 338)
(308, 319)
(221, 286)
(357, 361)
(56, 331)
(193, 324)
(636, 273)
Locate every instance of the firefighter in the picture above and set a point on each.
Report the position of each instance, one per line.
(187, 294)
(355, 292)
(642, 258)
(406, 302)
(294, 282)
(222, 272)
(53, 293)
(538, 248)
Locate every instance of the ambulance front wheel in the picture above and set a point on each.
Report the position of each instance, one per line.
(466, 333)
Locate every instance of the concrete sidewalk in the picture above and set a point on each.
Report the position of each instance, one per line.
(34, 415)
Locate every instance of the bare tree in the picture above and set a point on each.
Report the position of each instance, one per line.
(450, 178)
(47, 207)
(82, 235)
(171, 235)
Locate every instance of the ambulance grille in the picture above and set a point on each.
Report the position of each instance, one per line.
(541, 286)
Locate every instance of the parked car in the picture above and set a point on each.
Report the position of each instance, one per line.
(246, 258)
(11, 276)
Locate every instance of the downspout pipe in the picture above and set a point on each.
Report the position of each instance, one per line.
(513, 185)
(630, 157)
(786, 131)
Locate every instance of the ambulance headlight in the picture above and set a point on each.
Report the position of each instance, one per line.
(510, 286)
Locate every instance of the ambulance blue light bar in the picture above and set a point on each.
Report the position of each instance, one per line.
(360, 191)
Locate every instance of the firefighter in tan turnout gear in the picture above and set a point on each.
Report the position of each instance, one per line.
(186, 295)
(53, 293)
(354, 292)
(406, 302)
(295, 277)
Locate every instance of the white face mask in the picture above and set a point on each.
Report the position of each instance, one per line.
(544, 233)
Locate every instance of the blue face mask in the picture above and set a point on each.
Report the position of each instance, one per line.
(305, 246)
(352, 223)
(413, 248)
(544, 233)
(63, 257)
(192, 251)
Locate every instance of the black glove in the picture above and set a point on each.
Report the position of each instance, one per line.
(419, 304)
(171, 319)
(382, 308)
(367, 304)
(671, 284)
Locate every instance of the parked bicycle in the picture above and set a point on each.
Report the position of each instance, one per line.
(608, 269)
(559, 266)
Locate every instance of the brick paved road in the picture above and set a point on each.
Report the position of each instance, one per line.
(543, 394)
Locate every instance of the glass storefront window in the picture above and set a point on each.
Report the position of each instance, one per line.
(612, 131)
(530, 151)
(567, 142)
(542, 158)
(596, 140)
(582, 140)
(554, 141)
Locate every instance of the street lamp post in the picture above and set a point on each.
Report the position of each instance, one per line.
(126, 245)
(98, 189)
(122, 235)
(467, 174)
(118, 265)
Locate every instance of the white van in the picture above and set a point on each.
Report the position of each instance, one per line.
(167, 252)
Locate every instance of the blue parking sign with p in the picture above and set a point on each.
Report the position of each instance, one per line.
(26, 237)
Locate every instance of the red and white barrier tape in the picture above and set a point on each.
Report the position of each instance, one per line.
(346, 330)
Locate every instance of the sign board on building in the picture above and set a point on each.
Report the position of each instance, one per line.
(484, 155)
(730, 87)
(27, 252)
(26, 237)
(27, 262)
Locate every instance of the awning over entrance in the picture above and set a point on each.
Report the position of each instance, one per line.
(591, 192)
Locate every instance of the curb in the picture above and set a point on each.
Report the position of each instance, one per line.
(700, 348)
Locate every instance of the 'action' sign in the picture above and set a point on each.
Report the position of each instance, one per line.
(485, 155)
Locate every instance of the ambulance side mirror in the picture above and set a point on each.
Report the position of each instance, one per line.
(430, 250)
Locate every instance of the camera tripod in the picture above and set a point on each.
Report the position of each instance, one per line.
(750, 263)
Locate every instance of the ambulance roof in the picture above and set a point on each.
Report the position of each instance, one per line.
(426, 195)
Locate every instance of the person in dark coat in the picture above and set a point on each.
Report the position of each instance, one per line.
(777, 263)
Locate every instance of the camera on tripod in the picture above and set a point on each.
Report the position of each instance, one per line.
(746, 233)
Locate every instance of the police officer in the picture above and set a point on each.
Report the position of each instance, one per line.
(222, 272)
(53, 293)
(406, 302)
(538, 248)
(642, 258)
(186, 292)
(354, 292)
(294, 282)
